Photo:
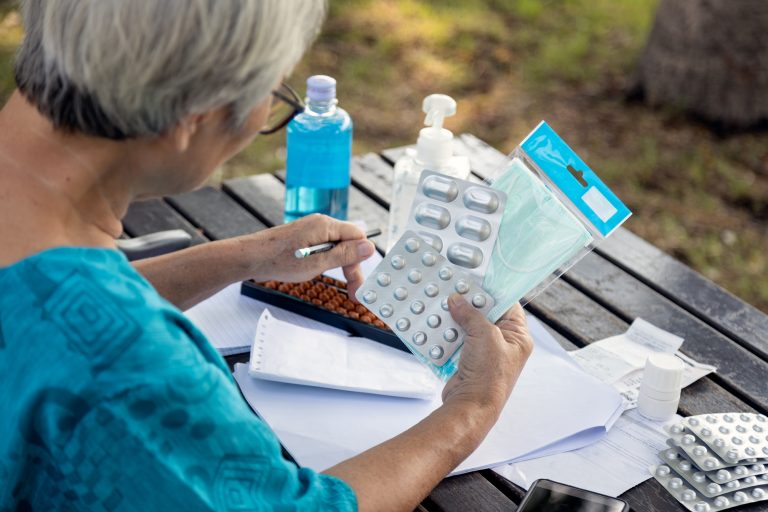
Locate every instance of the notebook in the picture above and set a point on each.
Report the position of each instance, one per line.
(286, 352)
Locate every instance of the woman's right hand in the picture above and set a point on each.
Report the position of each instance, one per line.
(491, 359)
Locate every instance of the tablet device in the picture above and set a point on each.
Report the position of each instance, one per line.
(548, 496)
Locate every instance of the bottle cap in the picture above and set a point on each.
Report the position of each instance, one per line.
(321, 88)
(435, 143)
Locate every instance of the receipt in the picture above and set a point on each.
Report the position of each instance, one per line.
(619, 360)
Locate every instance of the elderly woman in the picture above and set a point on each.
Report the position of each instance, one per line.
(110, 398)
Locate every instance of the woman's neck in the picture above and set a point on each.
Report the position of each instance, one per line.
(58, 188)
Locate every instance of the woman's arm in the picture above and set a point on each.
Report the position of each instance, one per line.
(399, 473)
(192, 275)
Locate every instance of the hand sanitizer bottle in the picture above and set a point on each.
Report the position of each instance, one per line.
(319, 144)
(434, 151)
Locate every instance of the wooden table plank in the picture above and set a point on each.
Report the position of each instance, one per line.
(153, 215)
(217, 214)
(468, 492)
(689, 289)
(263, 195)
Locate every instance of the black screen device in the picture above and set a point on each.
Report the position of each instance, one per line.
(548, 496)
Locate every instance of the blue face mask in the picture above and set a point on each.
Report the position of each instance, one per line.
(538, 235)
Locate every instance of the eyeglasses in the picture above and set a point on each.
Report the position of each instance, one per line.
(288, 105)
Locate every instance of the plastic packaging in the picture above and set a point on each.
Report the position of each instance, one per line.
(319, 144)
(721, 476)
(557, 211)
(434, 151)
(459, 219)
(409, 292)
(660, 388)
(734, 437)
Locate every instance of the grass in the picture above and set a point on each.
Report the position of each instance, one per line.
(511, 63)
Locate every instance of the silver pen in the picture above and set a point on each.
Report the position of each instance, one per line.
(327, 246)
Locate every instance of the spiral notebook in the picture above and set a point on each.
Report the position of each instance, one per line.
(289, 353)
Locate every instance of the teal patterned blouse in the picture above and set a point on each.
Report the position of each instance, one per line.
(110, 399)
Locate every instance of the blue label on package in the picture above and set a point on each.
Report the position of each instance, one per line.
(575, 179)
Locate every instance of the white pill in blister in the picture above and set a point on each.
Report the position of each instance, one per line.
(723, 475)
(684, 465)
(711, 419)
(758, 493)
(383, 279)
(754, 439)
(741, 428)
(758, 468)
(760, 417)
(693, 421)
(462, 286)
(733, 484)
(701, 506)
(431, 290)
(728, 418)
(757, 428)
(732, 454)
(721, 501)
(688, 495)
(445, 273)
(433, 321)
(699, 477)
(724, 430)
(435, 241)
(749, 480)
(403, 324)
(473, 228)
(419, 338)
(705, 432)
(481, 200)
(479, 300)
(688, 439)
(676, 429)
(450, 334)
(444, 304)
(464, 255)
(417, 307)
(719, 442)
(765, 450)
(713, 488)
(740, 497)
(436, 352)
(745, 418)
(386, 310)
(675, 483)
(671, 455)
(440, 188)
(397, 262)
(749, 450)
(662, 470)
(740, 470)
(428, 259)
(414, 276)
(432, 216)
(412, 245)
(699, 451)
(710, 463)
(400, 293)
(369, 297)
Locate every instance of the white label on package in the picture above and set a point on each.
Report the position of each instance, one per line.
(599, 204)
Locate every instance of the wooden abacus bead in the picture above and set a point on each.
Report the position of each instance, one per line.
(283, 288)
(317, 302)
(367, 318)
(360, 309)
(348, 304)
(354, 315)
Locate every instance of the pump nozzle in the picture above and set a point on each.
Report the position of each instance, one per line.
(438, 107)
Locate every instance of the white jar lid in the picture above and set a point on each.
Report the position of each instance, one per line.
(663, 372)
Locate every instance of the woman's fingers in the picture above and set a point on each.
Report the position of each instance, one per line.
(469, 318)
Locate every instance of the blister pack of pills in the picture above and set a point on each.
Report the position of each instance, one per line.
(409, 292)
(697, 502)
(699, 480)
(673, 456)
(734, 437)
(458, 218)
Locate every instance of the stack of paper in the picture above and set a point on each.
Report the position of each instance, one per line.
(554, 407)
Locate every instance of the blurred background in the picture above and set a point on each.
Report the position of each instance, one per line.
(674, 122)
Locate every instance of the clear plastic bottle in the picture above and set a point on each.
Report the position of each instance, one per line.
(319, 147)
(434, 151)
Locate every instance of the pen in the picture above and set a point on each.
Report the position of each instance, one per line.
(327, 246)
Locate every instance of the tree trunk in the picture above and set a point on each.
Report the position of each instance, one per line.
(710, 58)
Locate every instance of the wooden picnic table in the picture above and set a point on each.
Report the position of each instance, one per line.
(625, 278)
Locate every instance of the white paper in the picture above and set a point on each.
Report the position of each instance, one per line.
(228, 319)
(285, 352)
(553, 402)
(619, 360)
(618, 462)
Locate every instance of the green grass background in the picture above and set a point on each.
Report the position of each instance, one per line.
(511, 63)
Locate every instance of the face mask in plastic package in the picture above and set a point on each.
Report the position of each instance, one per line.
(699, 480)
(732, 436)
(538, 236)
(409, 292)
(699, 452)
(460, 219)
(672, 456)
(696, 502)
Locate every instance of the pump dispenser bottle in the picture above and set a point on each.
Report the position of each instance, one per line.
(434, 151)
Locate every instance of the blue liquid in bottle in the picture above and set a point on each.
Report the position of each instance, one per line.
(319, 153)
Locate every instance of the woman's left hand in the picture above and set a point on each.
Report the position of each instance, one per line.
(271, 252)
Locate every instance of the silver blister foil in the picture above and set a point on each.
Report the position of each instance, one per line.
(733, 436)
(408, 290)
(460, 219)
(671, 456)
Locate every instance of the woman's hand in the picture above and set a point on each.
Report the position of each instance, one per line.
(492, 356)
(271, 252)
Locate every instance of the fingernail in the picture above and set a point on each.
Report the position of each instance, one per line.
(455, 299)
(364, 248)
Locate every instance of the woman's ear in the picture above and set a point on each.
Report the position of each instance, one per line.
(181, 135)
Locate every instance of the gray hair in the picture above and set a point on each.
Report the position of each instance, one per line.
(129, 68)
